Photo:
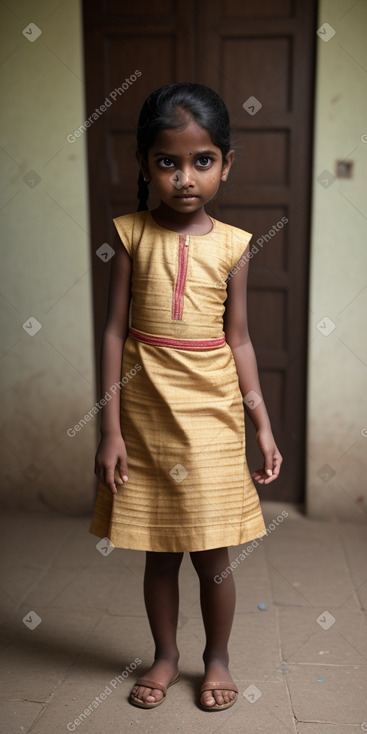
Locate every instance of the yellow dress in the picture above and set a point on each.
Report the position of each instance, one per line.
(182, 414)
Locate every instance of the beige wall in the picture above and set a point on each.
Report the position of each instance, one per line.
(47, 380)
(337, 416)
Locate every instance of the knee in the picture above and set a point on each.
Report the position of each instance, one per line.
(163, 564)
(208, 564)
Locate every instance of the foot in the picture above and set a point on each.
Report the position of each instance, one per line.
(163, 671)
(217, 671)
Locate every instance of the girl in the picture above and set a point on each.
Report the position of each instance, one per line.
(171, 460)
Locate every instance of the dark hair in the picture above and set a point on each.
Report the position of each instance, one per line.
(159, 112)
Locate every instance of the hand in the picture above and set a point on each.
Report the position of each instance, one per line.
(111, 462)
(272, 457)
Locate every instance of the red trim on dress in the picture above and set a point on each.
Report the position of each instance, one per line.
(178, 294)
(193, 345)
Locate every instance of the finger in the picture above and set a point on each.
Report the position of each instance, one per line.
(117, 477)
(275, 474)
(268, 463)
(276, 469)
(263, 478)
(99, 474)
(110, 481)
(277, 464)
(258, 476)
(123, 470)
(271, 479)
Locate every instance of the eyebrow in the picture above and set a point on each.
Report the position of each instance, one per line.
(163, 154)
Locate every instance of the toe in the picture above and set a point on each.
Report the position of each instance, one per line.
(219, 698)
(154, 694)
(141, 693)
(228, 696)
(207, 699)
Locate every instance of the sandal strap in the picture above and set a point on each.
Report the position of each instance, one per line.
(217, 686)
(147, 683)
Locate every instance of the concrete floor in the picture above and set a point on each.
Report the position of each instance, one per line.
(300, 664)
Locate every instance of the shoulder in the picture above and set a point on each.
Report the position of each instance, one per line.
(231, 231)
(127, 222)
(236, 239)
(130, 228)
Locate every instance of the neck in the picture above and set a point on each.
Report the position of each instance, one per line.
(197, 222)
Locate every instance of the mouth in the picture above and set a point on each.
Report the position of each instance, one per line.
(186, 196)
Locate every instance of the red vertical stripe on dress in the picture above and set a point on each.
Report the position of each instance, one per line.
(178, 295)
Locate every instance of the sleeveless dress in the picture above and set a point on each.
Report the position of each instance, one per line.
(182, 413)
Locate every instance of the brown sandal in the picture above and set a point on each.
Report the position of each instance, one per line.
(218, 687)
(147, 683)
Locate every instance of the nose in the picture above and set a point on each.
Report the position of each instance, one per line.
(188, 178)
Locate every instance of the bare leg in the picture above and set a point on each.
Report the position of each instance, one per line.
(217, 607)
(161, 601)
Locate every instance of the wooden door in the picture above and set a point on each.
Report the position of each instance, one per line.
(259, 56)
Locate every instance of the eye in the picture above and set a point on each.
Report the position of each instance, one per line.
(204, 161)
(166, 162)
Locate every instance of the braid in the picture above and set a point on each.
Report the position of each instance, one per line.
(143, 193)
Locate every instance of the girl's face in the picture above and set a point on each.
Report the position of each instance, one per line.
(185, 167)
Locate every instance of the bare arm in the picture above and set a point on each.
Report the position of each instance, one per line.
(111, 458)
(237, 336)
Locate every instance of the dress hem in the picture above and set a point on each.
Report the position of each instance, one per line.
(175, 546)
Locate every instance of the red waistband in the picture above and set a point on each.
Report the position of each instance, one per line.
(192, 345)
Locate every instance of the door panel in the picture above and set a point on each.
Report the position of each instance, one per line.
(260, 58)
(244, 49)
(254, 9)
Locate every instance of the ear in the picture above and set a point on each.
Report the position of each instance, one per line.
(227, 165)
(144, 168)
